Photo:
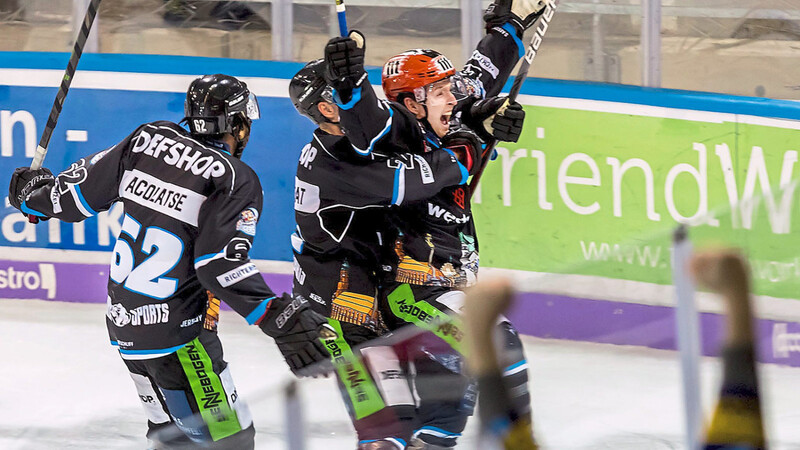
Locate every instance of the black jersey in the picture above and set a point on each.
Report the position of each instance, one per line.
(437, 243)
(340, 205)
(190, 217)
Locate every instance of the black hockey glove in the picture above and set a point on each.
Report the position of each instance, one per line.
(467, 147)
(495, 118)
(520, 13)
(24, 181)
(296, 329)
(344, 64)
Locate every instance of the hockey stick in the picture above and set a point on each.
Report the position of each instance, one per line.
(522, 74)
(341, 14)
(55, 111)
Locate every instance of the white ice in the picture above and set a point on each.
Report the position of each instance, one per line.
(65, 387)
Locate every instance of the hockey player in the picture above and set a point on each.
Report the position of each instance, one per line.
(191, 208)
(340, 202)
(436, 248)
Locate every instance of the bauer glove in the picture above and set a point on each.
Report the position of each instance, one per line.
(24, 181)
(344, 64)
(296, 330)
(520, 13)
(495, 118)
(467, 147)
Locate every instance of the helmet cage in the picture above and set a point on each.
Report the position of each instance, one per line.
(461, 87)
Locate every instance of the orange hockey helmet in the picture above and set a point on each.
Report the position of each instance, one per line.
(412, 70)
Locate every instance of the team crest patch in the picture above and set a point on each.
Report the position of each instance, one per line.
(247, 221)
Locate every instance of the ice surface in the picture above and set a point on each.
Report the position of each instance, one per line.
(65, 387)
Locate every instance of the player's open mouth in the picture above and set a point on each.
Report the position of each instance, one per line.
(445, 119)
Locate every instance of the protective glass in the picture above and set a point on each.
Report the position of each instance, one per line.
(440, 93)
(456, 87)
(252, 110)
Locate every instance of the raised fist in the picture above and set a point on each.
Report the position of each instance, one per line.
(344, 57)
(520, 13)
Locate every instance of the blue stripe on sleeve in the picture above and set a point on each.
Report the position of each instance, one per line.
(353, 100)
(258, 312)
(380, 135)
(83, 200)
(27, 210)
(396, 188)
(464, 171)
(513, 32)
(205, 257)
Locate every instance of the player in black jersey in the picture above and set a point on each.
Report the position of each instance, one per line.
(341, 198)
(436, 251)
(191, 208)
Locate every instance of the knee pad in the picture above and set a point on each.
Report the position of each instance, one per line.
(394, 422)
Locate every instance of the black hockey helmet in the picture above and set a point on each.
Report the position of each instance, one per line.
(307, 88)
(219, 104)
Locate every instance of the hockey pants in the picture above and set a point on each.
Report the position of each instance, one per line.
(190, 399)
(373, 385)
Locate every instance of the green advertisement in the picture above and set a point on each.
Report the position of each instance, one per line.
(588, 191)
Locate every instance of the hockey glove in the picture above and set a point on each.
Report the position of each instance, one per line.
(520, 13)
(296, 330)
(495, 118)
(467, 147)
(344, 64)
(24, 181)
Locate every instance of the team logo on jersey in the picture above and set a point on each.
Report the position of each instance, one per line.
(486, 63)
(459, 197)
(247, 221)
(237, 249)
(143, 315)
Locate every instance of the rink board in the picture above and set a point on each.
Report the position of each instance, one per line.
(534, 314)
(559, 202)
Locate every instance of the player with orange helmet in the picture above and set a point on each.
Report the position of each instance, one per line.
(433, 107)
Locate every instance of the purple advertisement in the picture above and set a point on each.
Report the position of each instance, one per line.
(53, 281)
(560, 317)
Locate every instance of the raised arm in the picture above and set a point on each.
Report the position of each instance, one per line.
(499, 50)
